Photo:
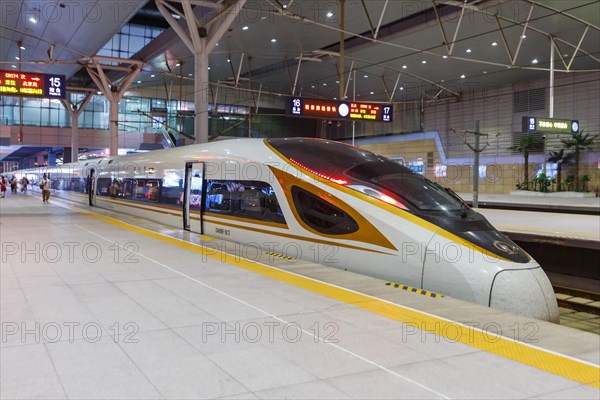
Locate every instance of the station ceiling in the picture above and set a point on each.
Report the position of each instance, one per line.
(396, 50)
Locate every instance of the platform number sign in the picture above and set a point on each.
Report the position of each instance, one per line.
(532, 124)
(55, 86)
(386, 113)
(296, 105)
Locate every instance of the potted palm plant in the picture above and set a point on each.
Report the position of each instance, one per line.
(578, 143)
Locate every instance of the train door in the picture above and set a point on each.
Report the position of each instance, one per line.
(193, 197)
(92, 187)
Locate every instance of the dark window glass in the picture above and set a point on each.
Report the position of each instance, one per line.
(103, 186)
(321, 215)
(358, 166)
(247, 199)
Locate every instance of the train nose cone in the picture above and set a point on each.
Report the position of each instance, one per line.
(526, 292)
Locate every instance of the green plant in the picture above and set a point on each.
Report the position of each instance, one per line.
(578, 143)
(526, 144)
(560, 158)
(584, 180)
(568, 184)
(542, 182)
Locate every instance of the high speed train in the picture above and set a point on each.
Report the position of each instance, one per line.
(321, 201)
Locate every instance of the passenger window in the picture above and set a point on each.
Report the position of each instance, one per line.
(246, 199)
(321, 215)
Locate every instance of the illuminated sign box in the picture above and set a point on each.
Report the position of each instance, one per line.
(353, 110)
(17, 83)
(550, 125)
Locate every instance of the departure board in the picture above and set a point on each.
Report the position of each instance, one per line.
(353, 110)
(26, 84)
(550, 125)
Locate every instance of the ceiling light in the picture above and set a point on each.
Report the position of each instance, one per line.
(485, 72)
(312, 86)
(524, 37)
(534, 61)
(443, 80)
(263, 18)
(424, 62)
(17, 58)
(139, 81)
(189, 74)
(444, 56)
(469, 50)
(176, 16)
(273, 40)
(245, 28)
(217, 44)
(209, 68)
(33, 19)
(337, 82)
(372, 92)
(285, 6)
(178, 64)
(366, 76)
(14, 66)
(401, 87)
(404, 66)
(329, 14)
(335, 98)
(324, 84)
(463, 76)
(22, 47)
(228, 60)
(152, 76)
(494, 43)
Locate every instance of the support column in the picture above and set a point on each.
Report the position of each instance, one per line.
(113, 117)
(113, 92)
(201, 84)
(200, 39)
(74, 111)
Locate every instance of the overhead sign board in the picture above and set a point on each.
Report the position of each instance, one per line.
(354, 110)
(26, 84)
(550, 125)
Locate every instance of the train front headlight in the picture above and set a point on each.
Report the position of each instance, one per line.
(526, 292)
(369, 191)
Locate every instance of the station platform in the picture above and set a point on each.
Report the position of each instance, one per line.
(534, 201)
(98, 305)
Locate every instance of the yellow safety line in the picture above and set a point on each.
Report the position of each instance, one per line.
(545, 360)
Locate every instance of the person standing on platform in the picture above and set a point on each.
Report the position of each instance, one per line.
(13, 184)
(3, 185)
(24, 183)
(45, 186)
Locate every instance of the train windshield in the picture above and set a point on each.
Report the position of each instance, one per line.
(343, 163)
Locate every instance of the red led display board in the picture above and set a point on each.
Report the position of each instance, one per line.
(353, 110)
(26, 84)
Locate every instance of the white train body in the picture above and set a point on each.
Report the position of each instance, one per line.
(320, 201)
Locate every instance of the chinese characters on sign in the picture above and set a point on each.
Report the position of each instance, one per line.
(550, 125)
(16, 83)
(302, 107)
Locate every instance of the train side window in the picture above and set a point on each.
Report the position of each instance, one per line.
(246, 199)
(321, 215)
(103, 187)
(218, 198)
